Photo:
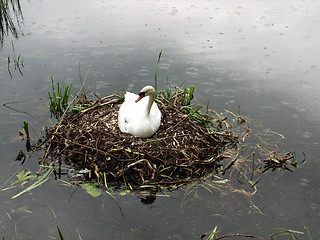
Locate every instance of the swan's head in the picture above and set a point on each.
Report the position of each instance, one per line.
(146, 91)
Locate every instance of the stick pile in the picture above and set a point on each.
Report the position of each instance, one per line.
(181, 151)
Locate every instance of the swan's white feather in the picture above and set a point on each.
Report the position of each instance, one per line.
(133, 119)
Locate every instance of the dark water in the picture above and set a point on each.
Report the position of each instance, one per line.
(259, 55)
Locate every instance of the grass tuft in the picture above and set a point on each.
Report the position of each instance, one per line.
(59, 98)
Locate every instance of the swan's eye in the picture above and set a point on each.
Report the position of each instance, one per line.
(141, 95)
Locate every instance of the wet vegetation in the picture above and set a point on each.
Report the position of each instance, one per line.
(17, 62)
(194, 146)
(10, 9)
(10, 19)
(280, 234)
(59, 98)
(188, 145)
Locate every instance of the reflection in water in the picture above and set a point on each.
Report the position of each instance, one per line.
(231, 73)
(6, 22)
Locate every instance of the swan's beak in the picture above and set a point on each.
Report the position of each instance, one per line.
(141, 95)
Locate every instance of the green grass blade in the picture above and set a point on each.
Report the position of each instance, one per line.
(156, 74)
(23, 176)
(148, 186)
(316, 236)
(211, 236)
(40, 181)
(59, 98)
(60, 234)
(159, 56)
(52, 84)
(80, 238)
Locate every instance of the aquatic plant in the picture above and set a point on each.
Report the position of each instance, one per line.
(36, 184)
(212, 234)
(59, 98)
(16, 61)
(284, 233)
(156, 74)
(6, 21)
(189, 145)
(24, 175)
(167, 92)
(61, 236)
(177, 155)
(92, 189)
(26, 130)
(188, 94)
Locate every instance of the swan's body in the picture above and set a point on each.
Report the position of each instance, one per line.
(139, 115)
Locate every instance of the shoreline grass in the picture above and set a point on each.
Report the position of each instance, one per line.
(59, 98)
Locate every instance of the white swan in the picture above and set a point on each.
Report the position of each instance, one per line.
(139, 116)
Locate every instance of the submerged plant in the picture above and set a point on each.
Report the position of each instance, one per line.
(59, 98)
(16, 61)
(36, 184)
(284, 233)
(212, 234)
(23, 176)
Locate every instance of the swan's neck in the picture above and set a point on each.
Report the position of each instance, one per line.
(150, 102)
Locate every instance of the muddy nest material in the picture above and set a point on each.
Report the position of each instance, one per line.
(187, 146)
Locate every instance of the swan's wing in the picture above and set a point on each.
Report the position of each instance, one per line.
(155, 117)
(121, 119)
(130, 97)
(124, 111)
(130, 111)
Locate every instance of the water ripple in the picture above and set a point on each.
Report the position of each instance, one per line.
(307, 135)
(164, 65)
(118, 65)
(143, 72)
(101, 84)
(193, 72)
(304, 182)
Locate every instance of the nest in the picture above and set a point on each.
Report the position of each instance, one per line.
(188, 145)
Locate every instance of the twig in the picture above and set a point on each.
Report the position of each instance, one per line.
(62, 118)
(238, 235)
(233, 161)
(171, 182)
(255, 183)
(6, 105)
(182, 201)
(253, 168)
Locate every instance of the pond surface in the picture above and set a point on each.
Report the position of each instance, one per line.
(261, 56)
